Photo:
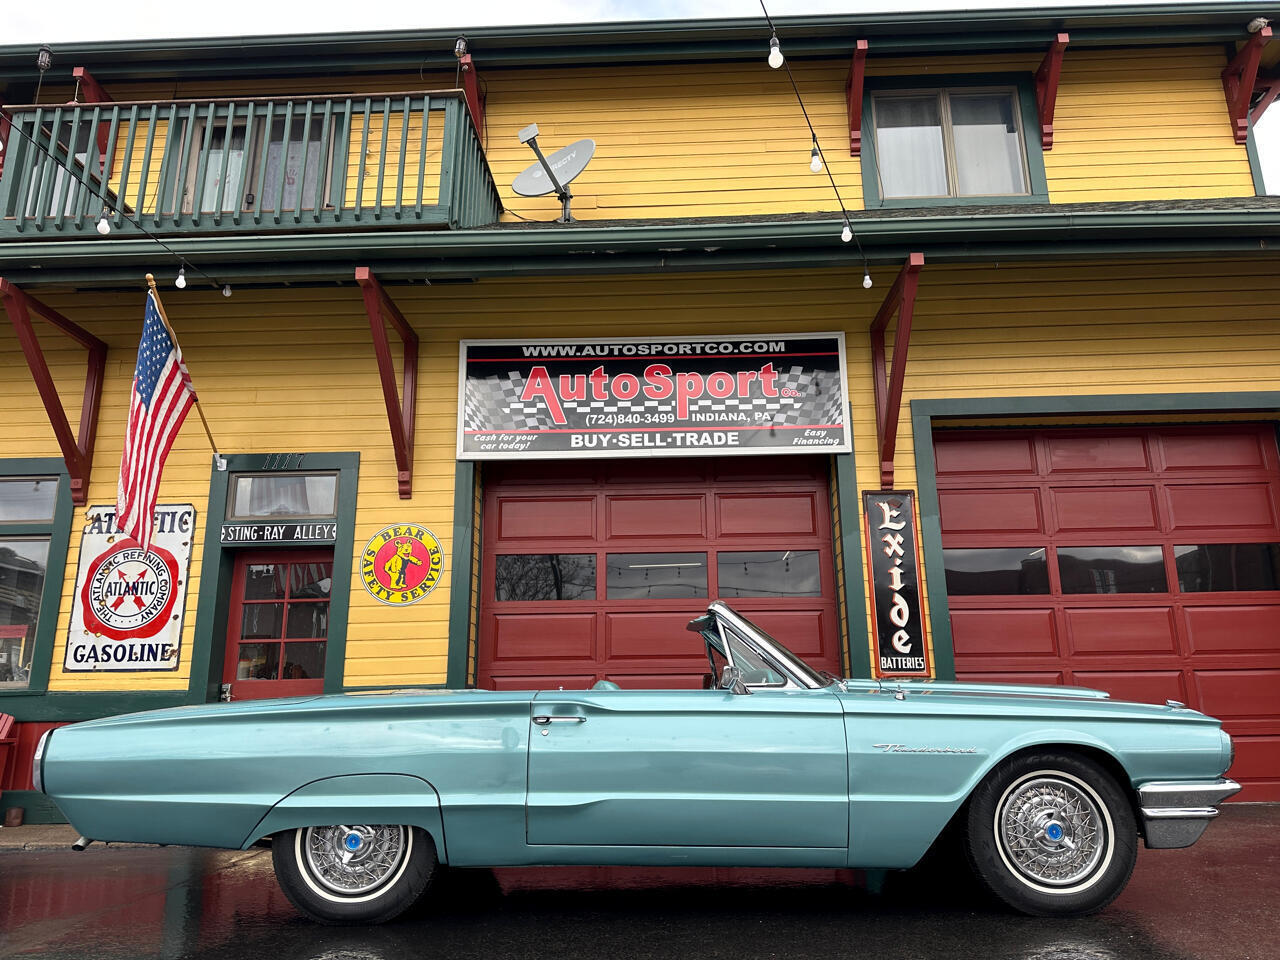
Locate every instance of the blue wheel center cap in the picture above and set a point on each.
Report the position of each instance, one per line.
(1053, 831)
(353, 841)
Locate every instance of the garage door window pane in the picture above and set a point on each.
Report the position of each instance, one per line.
(656, 576)
(996, 571)
(769, 573)
(1228, 566)
(545, 576)
(1112, 569)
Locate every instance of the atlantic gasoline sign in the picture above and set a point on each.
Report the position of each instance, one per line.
(895, 583)
(129, 603)
(670, 397)
(401, 564)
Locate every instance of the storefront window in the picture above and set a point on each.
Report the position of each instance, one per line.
(1112, 569)
(546, 576)
(1228, 566)
(22, 570)
(656, 576)
(1002, 571)
(769, 573)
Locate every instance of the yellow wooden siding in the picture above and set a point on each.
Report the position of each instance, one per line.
(723, 139)
(1144, 125)
(979, 331)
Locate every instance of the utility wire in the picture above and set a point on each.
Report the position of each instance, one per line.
(844, 212)
(107, 205)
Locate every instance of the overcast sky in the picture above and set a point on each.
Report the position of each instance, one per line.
(72, 20)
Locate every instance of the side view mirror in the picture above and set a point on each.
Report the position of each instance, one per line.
(731, 680)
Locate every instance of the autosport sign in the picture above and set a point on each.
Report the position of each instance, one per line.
(129, 602)
(675, 396)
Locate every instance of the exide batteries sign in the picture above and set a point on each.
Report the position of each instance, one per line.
(676, 396)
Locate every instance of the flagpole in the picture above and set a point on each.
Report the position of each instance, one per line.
(218, 459)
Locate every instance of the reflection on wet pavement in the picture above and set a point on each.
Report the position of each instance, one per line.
(1215, 901)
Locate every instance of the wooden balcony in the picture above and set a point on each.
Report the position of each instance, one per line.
(192, 167)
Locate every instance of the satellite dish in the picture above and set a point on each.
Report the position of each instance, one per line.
(553, 174)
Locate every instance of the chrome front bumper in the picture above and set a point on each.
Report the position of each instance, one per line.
(1175, 813)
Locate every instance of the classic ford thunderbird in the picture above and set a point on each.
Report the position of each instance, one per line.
(772, 764)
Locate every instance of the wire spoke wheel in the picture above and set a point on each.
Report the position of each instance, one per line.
(354, 860)
(1051, 831)
(1051, 834)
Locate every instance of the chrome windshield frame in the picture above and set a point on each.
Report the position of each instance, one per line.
(727, 618)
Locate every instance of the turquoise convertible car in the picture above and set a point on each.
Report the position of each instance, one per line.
(363, 796)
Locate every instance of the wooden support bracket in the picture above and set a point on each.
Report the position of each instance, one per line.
(900, 301)
(1239, 77)
(400, 409)
(1269, 89)
(76, 451)
(89, 90)
(1047, 78)
(853, 93)
(471, 91)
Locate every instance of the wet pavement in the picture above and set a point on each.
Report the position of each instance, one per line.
(1215, 901)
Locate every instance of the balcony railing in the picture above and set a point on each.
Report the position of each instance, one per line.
(247, 166)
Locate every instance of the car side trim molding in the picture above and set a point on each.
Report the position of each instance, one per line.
(1176, 813)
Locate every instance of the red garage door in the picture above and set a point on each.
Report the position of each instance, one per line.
(592, 569)
(1145, 562)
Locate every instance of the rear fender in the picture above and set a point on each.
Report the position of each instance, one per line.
(357, 798)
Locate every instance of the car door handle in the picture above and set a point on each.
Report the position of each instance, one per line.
(544, 720)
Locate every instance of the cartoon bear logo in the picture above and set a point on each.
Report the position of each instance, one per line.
(397, 567)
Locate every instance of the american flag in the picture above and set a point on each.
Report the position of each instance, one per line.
(161, 397)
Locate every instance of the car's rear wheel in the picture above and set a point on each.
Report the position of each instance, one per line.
(358, 873)
(1051, 834)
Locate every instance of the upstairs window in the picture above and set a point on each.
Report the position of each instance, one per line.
(949, 143)
(956, 140)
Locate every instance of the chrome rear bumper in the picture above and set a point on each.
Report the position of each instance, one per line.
(1175, 813)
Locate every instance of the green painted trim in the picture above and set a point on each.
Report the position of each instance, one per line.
(384, 688)
(855, 596)
(1255, 164)
(37, 808)
(1030, 124)
(208, 645)
(924, 413)
(944, 652)
(58, 530)
(464, 505)
(73, 706)
(945, 235)
(636, 42)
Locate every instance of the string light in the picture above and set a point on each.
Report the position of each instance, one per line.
(817, 160)
(226, 289)
(181, 281)
(776, 59)
(866, 278)
(103, 226)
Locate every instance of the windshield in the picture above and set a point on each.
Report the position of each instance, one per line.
(789, 659)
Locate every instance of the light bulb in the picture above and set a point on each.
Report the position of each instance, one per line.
(846, 234)
(775, 52)
(226, 289)
(815, 163)
(181, 281)
(103, 226)
(866, 279)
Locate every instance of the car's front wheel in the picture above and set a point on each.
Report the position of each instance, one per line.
(359, 873)
(1052, 834)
